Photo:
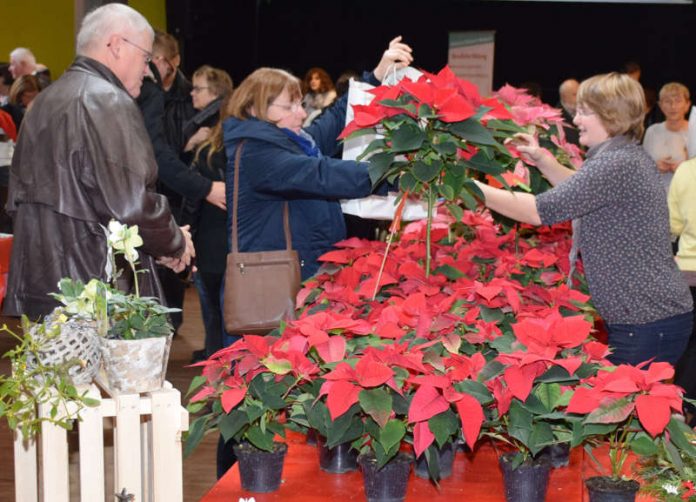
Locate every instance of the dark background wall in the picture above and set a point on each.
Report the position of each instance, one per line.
(535, 41)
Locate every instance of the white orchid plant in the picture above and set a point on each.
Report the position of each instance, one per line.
(119, 315)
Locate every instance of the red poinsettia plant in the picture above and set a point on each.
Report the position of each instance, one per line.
(635, 408)
(437, 134)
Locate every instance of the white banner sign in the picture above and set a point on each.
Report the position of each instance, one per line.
(471, 57)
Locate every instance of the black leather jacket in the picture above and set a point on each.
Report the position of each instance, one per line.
(83, 158)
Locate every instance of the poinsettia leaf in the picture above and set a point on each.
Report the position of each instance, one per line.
(231, 398)
(475, 389)
(653, 412)
(445, 148)
(614, 411)
(548, 394)
(556, 374)
(342, 395)
(449, 271)
(444, 426)
(263, 440)
(231, 423)
(465, 194)
(392, 434)
(679, 433)
(644, 446)
(446, 191)
(379, 166)
(471, 415)
(426, 403)
(195, 434)
(456, 211)
(422, 438)
(343, 429)
(482, 163)
(407, 138)
(317, 416)
(540, 437)
(377, 403)
(408, 183)
(520, 425)
(426, 172)
(375, 144)
(472, 131)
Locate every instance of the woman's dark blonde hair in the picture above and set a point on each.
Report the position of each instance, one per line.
(260, 89)
(25, 83)
(219, 81)
(617, 100)
(326, 84)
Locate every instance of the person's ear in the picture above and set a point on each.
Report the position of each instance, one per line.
(175, 61)
(113, 44)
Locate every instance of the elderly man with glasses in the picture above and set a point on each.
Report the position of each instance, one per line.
(83, 159)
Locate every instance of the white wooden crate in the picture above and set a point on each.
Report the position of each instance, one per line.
(147, 431)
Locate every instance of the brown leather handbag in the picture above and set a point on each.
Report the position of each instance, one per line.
(260, 287)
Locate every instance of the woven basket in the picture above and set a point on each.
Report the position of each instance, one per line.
(77, 341)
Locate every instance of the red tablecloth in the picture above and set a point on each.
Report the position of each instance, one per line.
(475, 478)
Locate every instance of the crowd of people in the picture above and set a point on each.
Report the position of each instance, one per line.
(124, 134)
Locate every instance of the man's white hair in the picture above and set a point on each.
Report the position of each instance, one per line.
(23, 54)
(107, 20)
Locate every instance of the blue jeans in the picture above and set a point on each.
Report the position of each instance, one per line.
(663, 340)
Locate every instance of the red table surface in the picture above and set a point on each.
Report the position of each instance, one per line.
(475, 477)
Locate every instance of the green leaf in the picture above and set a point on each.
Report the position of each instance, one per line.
(449, 271)
(644, 446)
(379, 166)
(424, 172)
(407, 138)
(444, 426)
(377, 403)
(540, 437)
(455, 211)
(481, 163)
(392, 434)
(445, 148)
(678, 431)
(195, 434)
(407, 182)
(556, 374)
(446, 191)
(503, 343)
(317, 416)
(475, 389)
(548, 394)
(263, 440)
(375, 144)
(520, 426)
(472, 131)
(278, 366)
(231, 423)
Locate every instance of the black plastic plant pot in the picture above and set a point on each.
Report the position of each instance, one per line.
(558, 454)
(312, 437)
(337, 460)
(260, 471)
(445, 461)
(606, 489)
(528, 482)
(389, 483)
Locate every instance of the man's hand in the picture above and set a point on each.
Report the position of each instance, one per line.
(666, 165)
(180, 264)
(216, 196)
(397, 56)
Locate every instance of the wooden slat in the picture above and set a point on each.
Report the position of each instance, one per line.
(55, 477)
(127, 445)
(166, 446)
(91, 438)
(146, 453)
(26, 475)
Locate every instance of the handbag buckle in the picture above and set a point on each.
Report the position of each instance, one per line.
(241, 268)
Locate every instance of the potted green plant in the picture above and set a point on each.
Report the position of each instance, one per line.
(634, 410)
(37, 391)
(135, 330)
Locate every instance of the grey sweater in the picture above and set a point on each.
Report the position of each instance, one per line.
(623, 233)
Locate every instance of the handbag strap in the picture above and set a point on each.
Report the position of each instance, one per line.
(235, 200)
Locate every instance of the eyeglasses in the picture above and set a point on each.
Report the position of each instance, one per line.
(584, 112)
(198, 88)
(148, 54)
(293, 107)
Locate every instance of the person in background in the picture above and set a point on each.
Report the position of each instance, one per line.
(86, 160)
(682, 219)
(178, 108)
(24, 90)
(209, 224)
(621, 222)
(23, 62)
(568, 94)
(210, 87)
(280, 162)
(319, 92)
(666, 141)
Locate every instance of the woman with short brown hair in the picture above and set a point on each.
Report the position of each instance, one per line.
(621, 222)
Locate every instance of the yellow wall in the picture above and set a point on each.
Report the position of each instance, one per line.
(47, 28)
(154, 10)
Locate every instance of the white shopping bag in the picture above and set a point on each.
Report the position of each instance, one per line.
(376, 207)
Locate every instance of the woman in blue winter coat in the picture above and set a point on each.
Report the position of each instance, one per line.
(281, 162)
